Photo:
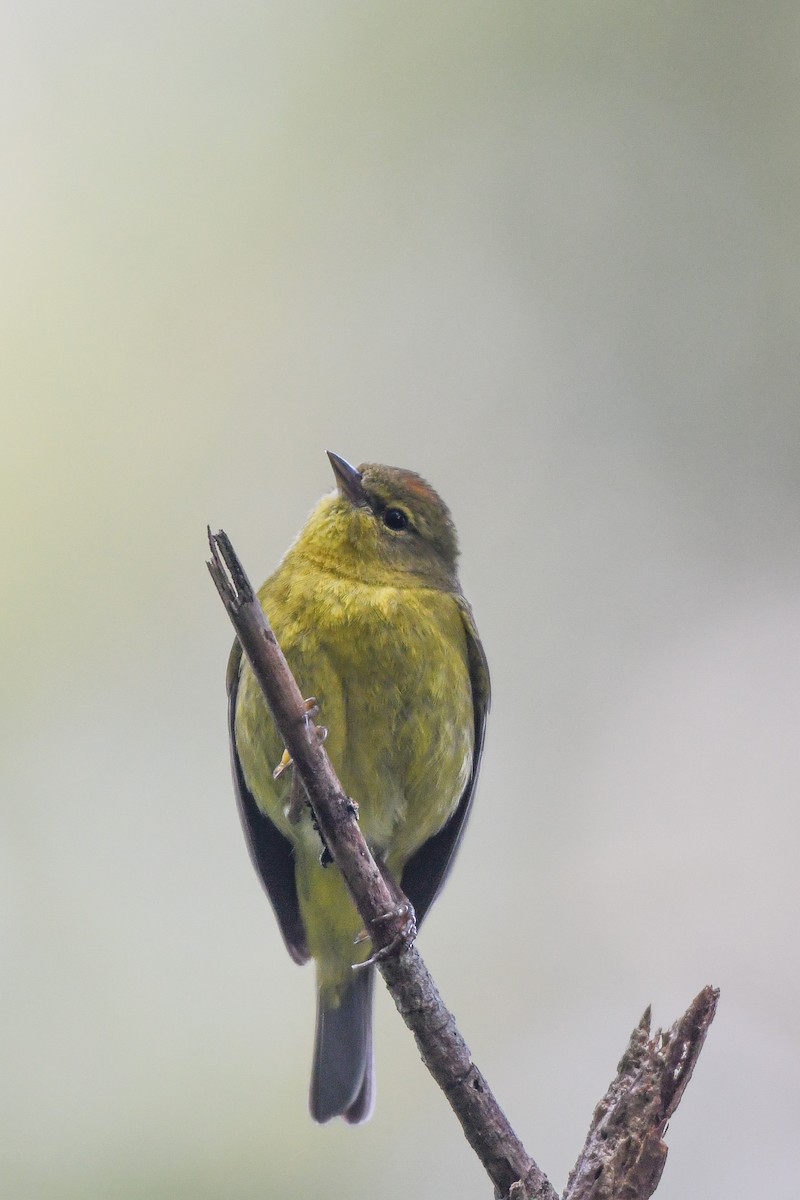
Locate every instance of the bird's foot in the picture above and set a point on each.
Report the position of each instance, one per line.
(311, 711)
(297, 796)
(398, 929)
(283, 765)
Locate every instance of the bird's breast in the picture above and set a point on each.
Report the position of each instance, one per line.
(389, 669)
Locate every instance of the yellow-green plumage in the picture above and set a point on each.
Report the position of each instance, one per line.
(373, 624)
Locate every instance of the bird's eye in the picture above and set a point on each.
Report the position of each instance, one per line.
(395, 518)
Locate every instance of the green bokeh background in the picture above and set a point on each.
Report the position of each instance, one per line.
(547, 255)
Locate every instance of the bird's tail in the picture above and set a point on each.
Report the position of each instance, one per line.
(342, 1078)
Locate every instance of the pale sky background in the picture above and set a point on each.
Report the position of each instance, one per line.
(545, 254)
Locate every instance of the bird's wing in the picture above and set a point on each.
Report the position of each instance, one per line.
(426, 871)
(271, 852)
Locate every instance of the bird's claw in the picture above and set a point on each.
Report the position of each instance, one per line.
(311, 711)
(283, 765)
(401, 935)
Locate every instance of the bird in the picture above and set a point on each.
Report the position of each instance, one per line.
(368, 609)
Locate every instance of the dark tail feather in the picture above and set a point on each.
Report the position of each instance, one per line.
(342, 1082)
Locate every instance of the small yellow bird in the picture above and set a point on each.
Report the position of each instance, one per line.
(367, 607)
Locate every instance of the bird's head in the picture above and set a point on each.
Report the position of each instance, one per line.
(384, 526)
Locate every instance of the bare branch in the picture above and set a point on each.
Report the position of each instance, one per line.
(624, 1153)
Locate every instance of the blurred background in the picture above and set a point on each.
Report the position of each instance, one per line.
(547, 256)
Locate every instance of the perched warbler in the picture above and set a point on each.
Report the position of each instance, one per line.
(367, 607)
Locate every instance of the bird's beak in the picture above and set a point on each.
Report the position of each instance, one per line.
(348, 480)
